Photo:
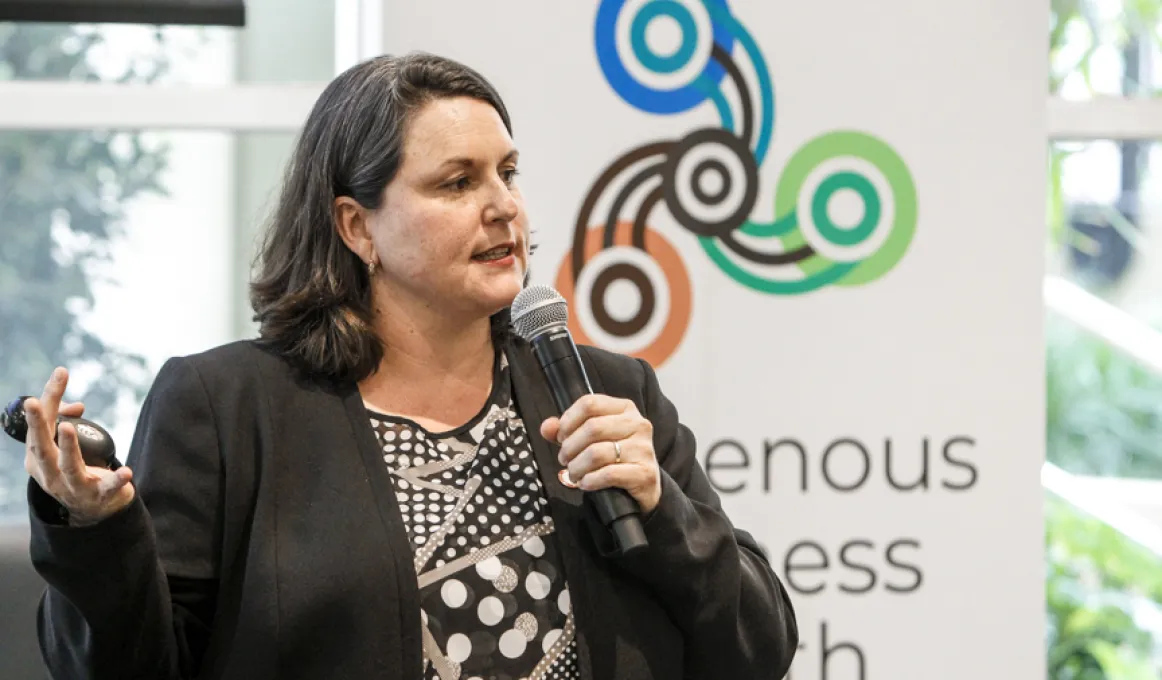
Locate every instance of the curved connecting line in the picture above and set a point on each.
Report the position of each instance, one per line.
(607, 237)
(722, 57)
(582, 225)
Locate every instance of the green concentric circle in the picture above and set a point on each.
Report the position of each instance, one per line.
(820, 271)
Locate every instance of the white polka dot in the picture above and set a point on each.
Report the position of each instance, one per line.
(538, 585)
(490, 610)
(550, 638)
(489, 569)
(454, 593)
(535, 546)
(512, 644)
(459, 648)
(563, 602)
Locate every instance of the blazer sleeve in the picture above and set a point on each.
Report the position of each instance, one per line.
(712, 577)
(133, 596)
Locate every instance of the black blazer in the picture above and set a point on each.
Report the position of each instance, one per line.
(265, 542)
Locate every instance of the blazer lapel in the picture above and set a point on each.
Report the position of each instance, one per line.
(532, 396)
(404, 579)
(570, 516)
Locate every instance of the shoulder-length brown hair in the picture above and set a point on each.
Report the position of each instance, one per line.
(311, 295)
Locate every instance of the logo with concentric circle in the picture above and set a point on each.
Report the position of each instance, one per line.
(844, 208)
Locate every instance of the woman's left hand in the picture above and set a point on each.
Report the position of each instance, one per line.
(606, 443)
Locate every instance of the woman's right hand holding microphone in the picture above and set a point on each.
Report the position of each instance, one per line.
(90, 494)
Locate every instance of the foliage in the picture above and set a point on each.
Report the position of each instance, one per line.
(1104, 411)
(1097, 587)
(61, 205)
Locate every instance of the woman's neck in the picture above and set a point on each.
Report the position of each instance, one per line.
(435, 370)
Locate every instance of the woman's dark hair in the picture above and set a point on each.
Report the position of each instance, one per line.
(311, 295)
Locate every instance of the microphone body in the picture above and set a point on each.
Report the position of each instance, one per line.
(557, 354)
(95, 442)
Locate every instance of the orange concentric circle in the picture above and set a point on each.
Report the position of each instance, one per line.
(667, 339)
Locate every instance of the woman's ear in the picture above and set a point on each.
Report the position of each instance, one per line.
(353, 223)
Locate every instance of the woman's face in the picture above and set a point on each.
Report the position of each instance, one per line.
(452, 234)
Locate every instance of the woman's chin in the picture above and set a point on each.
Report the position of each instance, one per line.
(499, 295)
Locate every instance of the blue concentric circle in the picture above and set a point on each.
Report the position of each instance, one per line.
(641, 96)
(641, 49)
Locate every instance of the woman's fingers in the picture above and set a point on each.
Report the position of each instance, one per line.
(69, 458)
(73, 409)
(604, 428)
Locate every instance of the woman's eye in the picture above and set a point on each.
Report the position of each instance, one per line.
(510, 175)
(460, 184)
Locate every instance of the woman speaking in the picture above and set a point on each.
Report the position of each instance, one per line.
(377, 486)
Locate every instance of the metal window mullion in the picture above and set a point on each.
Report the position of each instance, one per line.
(56, 106)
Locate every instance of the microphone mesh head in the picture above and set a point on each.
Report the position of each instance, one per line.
(536, 309)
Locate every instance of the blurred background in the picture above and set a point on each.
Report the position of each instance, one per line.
(113, 180)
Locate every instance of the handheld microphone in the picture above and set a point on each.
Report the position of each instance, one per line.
(96, 444)
(540, 315)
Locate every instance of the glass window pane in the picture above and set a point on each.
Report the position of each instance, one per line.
(121, 249)
(1105, 48)
(1105, 200)
(1103, 416)
(276, 46)
(1104, 409)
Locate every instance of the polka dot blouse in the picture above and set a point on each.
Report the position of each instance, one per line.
(494, 602)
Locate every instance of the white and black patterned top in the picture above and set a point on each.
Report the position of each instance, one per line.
(494, 602)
